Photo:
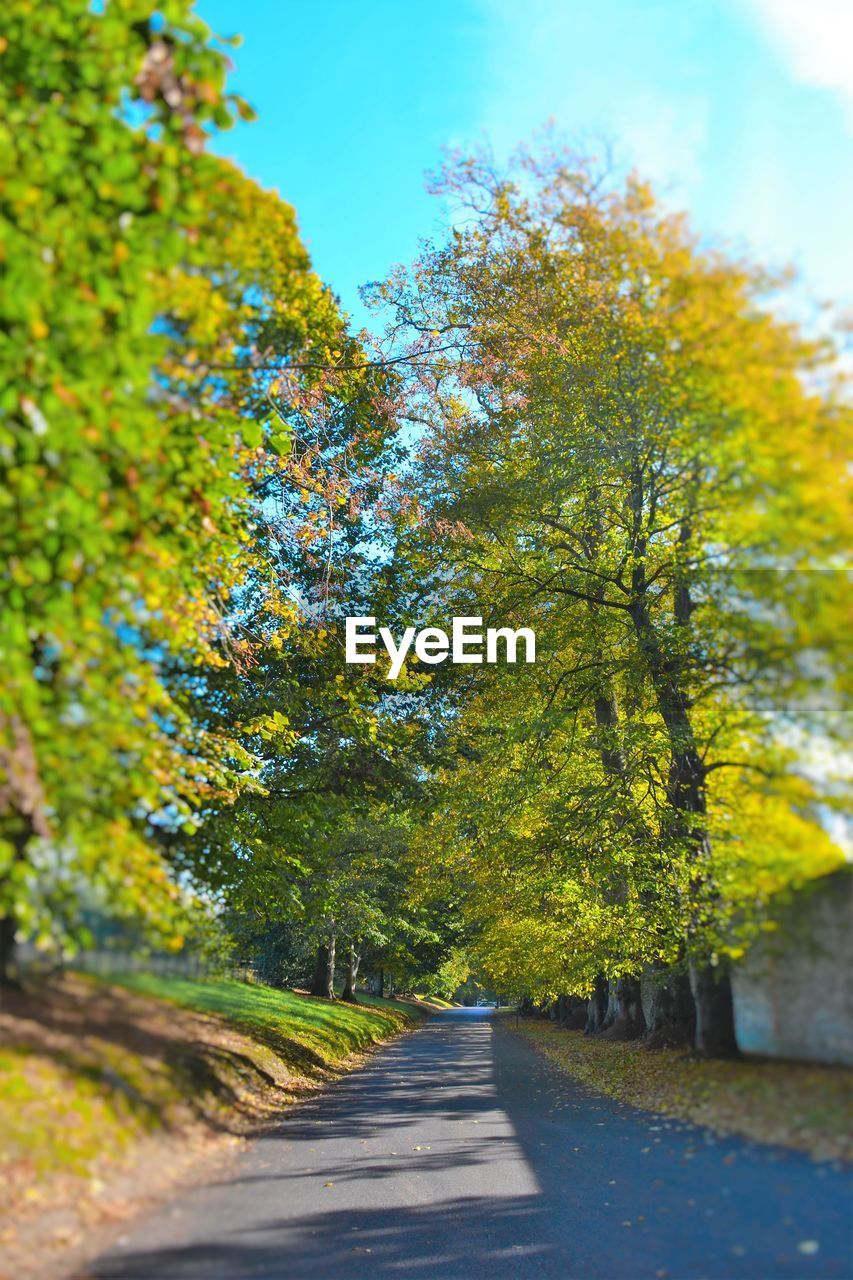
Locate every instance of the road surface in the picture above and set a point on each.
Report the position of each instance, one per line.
(459, 1152)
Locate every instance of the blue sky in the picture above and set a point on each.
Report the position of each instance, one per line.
(740, 110)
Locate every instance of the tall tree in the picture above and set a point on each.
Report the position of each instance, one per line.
(621, 435)
(151, 296)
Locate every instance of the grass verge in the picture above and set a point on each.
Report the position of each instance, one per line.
(306, 1032)
(107, 1088)
(794, 1104)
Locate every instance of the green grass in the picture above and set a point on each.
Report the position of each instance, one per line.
(127, 1065)
(328, 1029)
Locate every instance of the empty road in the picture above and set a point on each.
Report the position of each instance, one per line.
(459, 1152)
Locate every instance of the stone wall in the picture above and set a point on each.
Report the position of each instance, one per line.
(793, 991)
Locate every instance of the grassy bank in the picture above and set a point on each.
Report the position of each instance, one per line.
(111, 1084)
(794, 1104)
(302, 1029)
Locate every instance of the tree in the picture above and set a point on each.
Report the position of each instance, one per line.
(623, 442)
(147, 286)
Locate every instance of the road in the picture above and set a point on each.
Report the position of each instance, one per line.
(459, 1152)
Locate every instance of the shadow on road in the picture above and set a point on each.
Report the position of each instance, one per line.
(459, 1152)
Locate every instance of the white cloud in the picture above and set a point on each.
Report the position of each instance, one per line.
(815, 37)
(666, 140)
(716, 118)
(602, 74)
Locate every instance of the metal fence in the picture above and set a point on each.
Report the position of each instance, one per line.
(110, 962)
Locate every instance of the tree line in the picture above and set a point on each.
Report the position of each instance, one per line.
(625, 443)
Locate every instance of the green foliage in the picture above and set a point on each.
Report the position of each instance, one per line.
(624, 449)
(120, 499)
(166, 351)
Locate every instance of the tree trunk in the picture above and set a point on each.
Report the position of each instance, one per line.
(8, 929)
(612, 1006)
(629, 1022)
(669, 1008)
(624, 1018)
(715, 1017)
(29, 826)
(321, 968)
(22, 808)
(686, 794)
(570, 1009)
(324, 971)
(598, 1005)
(575, 1013)
(348, 992)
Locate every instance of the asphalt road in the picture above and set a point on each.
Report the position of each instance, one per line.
(459, 1152)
